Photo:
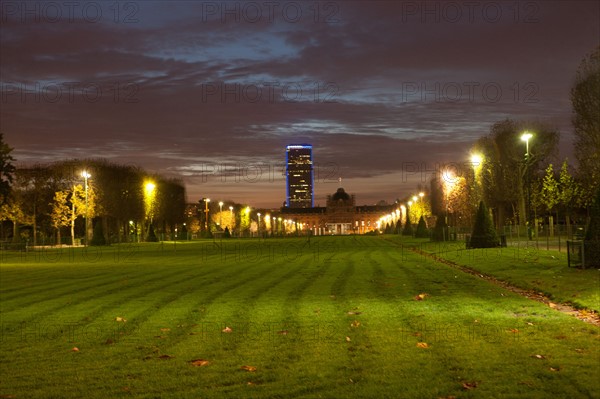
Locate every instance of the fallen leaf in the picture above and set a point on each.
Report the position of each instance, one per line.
(539, 356)
(348, 339)
(75, 349)
(469, 385)
(249, 368)
(529, 323)
(579, 350)
(226, 330)
(352, 313)
(553, 369)
(514, 330)
(165, 329)
(355, 323)
(199, 362)
(422, 345)
(283, 332)
(120, 319)
(166, 357)
(420, 297)
(552, 305)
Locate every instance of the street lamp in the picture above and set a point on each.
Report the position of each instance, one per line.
(525, 137)
(86, 176)
(258, 214)
(206, 201)
(221, 214)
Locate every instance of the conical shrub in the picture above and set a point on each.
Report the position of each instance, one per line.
(422, 231)
(98, 235)
(484, 234)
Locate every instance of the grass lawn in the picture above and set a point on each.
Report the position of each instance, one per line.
(525, 266)
(334, 317)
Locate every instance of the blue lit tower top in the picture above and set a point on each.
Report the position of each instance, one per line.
(299, 176)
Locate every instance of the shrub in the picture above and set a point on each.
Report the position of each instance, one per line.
(484, 234)
(422, 231)
(98, 235)
(151, 236)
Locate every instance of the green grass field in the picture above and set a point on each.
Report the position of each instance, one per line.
(334, 317)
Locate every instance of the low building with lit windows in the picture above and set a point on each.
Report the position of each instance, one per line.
(340, 216)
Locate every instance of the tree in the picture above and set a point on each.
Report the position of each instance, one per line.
(440, 230)
(61, 213)
(484, 234)
(585, 98)
(7, 170)
(569, 193)
(504, 171)
(13, 211)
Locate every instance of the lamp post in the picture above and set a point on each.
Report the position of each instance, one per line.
(86, 176)
(206, 201)
(258, 230)
(221, 214)
(525, 137)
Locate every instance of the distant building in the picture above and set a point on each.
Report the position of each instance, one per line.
(299, 176)
(340, 216)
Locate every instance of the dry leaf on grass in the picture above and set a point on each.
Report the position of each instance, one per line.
(469, 385)
(422, 345)
(75, 349)
(199, 362)
(283, 332)
(514, 330)
(120, 319)
(552, 305)
(249, 368)
(421, 296)
(166, 357)
(353, 313)
(539, 356)
(348, 339)
(226, 330)
(165, 329)
(355, 323)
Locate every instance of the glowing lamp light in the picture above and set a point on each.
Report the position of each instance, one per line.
(476, 159)
(526, 136)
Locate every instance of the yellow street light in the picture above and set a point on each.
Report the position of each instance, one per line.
(86, 176)
(221, 213)
(206, 201)
(525, 137)
(476, 159)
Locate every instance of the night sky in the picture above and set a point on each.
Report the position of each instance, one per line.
(212, 92)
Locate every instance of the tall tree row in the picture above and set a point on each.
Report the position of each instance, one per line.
(46, 201)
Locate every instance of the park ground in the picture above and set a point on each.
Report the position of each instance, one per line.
(330, 317)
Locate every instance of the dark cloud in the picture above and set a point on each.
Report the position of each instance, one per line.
(372, 85)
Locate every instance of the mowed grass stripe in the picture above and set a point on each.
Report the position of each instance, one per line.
(235, 312)
(465, 320)
(98, 292)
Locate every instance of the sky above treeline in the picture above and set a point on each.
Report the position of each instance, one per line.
(212, 92)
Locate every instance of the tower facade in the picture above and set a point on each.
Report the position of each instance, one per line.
(299, 176)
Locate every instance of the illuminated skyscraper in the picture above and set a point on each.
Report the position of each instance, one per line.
(299, 176)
